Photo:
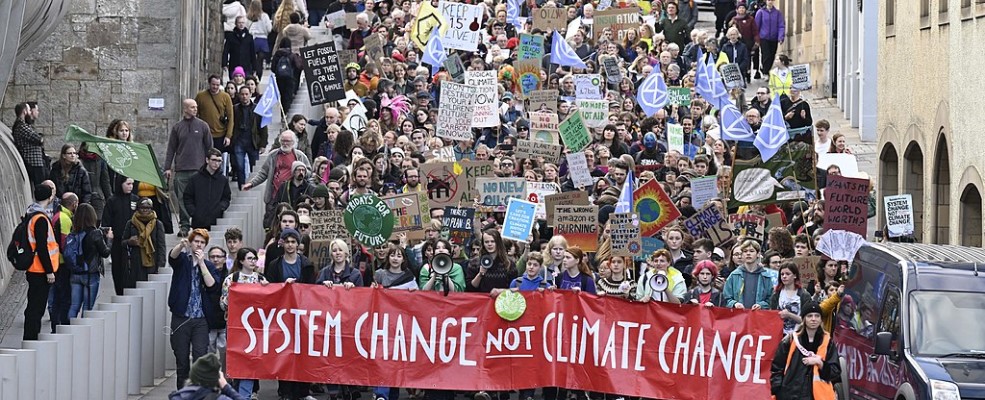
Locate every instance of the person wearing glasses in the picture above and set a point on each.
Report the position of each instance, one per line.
(762, 101)
(208, 194)
(216, 319)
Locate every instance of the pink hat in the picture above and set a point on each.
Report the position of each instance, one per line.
(239, 71)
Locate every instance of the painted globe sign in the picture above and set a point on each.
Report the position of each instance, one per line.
(368, 220)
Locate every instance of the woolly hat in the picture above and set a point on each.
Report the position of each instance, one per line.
(811, 307)
(205, 371)
(290, 232)
(239, 71)
(297, 164)
(42, 192)
(320, 191)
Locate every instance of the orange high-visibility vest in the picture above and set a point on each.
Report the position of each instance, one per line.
(50, 241)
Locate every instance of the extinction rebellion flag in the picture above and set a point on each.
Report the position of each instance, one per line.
(130, 159)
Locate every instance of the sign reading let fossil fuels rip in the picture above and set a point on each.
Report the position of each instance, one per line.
(323, 73)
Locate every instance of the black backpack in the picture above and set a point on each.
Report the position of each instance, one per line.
(19, 251)
(284, 69)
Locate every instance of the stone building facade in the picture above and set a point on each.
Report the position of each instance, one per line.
(929, 113)
(108, 58)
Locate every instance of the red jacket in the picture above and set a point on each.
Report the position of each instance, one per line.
(747, 28)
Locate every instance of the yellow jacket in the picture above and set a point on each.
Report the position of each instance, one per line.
(829, 308)
(780, 86)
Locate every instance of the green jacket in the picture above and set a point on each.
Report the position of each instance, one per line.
(457, 276)
(735, 284)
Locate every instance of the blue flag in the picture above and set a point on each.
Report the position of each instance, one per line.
(773, 133)
(268, 102)
(625, 203)
(434, 52)
(513, 13)
(719, 93)
(564, 55)
(734, 126)
(652, 94)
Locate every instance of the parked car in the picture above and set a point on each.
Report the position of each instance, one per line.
(912, 325)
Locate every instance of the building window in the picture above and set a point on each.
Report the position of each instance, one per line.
(924, 14)
(890, 17)
(942, 18)
(808, 15)
(966, 9)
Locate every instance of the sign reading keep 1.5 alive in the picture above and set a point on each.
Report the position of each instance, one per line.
(323, 73)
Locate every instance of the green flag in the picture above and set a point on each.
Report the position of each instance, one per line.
(130, 159)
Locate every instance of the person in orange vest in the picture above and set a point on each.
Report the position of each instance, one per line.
(806, 363)
(41, 273)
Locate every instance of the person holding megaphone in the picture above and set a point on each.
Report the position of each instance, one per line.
(441, 273)
(660, 281)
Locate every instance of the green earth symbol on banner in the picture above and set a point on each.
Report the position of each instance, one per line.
(369, 220)
(648, 210)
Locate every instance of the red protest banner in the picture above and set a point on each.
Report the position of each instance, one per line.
(378, 337)
(846, 204)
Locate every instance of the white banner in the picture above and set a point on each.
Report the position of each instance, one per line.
(486, 97)
(464, 25)
(588, 86)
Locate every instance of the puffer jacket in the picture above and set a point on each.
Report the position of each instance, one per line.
(76, 181)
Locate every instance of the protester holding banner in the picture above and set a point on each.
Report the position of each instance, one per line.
(659, 263)
(749, 286)
(429, 279)
(491, 268)
(704, 292)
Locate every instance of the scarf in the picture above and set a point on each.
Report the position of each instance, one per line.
(145, 227)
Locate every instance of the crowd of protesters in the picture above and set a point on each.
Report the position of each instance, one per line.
(318, 164)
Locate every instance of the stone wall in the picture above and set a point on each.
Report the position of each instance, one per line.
(109, 57)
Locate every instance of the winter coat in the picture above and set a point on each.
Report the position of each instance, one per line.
(794, 380)
(348, 274)
(675, 31)
(695, 294)
(737, 53)
(76, 181)
(265, 173)
(99, 179)
(274, 270)
(735, 284)
(206, 197)
(747, 27)
(95, 249)
(771, 24)
(253, 133)
(805, 298)
(133, 252)
(118, 211)
(200, 393)
(240, 51)
(217, 319)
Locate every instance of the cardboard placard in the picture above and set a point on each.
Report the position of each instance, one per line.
(350, 21)
(464, 30)
(544, 127)
(486, 112)
(624, 235)
(374, 47)
(680, 96)
(411, 213)
(588, 86)
(519, 220)
(453, 64)
(594, 112)
(748, 225)
(327, 225)
(455, 111)
(497, 191)
(619, 19)
(543, 101)
(899, 215)
(774, 220)
(577, 198)
(528, 76)
(460, 223)
(612, 73)
(581, 177)
(550, 19)
(320, 253)
(347, 56)
(322, 73)
(537, 192)
(846, 204)
(807, 266)
(453, 183)
(801, 76)
(574, 133)
(703, 189)
(531, 47)
(535, 149)
(732, 76)
(579, 225)
(710, 223)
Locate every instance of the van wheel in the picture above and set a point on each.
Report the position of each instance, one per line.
(842, 389)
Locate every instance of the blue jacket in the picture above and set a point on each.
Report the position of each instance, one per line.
(181, 285)
(734, 285)
(771, 24)
(526, 284)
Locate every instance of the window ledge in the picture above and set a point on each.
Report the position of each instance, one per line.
(925, 22)
(890, 31)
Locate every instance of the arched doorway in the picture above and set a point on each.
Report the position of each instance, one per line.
(971, 216)
(941, 181)
(913, 184)
(888, 176)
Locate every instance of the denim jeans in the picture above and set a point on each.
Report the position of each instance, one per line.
(246, 387)
(85, 289)
(315, 16)
(241, 153)
(60, 298)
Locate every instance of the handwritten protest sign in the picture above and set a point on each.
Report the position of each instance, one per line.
(733, 76)
(578, 224)
(594, 112)
(537, 192)
(323, 73)
(411, 212)
(347, 56)
(519, 220)
(460, 223)
(748, 225)
(703, 189)
(680, 96)
(846, 204)
(327, 225)
(774, 220)
(453, 183)
(618, 19)
(497, 191)
(612, 73)
(320, 252)
(543, 101)
(710, 223)
(464, 23)
(576, 198)
(801, 76)
(624, 235)
(444, 154)
(588, 86)
(453, 64)
(899, 215)
(807, 267)
(535, 149)
(374, 47)
(528, 72)
(675, 138)
(486, 112)
(581, 177)
(574, 133)
(531, 47)
(550, 19)
(456, 111)
(544, 127)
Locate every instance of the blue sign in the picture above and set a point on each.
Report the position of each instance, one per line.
(519, 221)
